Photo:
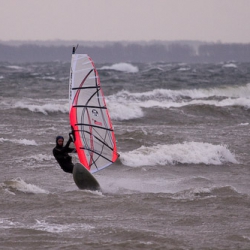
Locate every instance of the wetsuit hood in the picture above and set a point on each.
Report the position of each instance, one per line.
(57, 138)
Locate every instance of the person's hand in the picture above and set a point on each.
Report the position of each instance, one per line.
(70, 137)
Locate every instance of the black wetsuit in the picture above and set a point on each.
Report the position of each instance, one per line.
(62, 156)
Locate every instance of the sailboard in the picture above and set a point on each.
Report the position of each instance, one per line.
(91, 125)
(84, 179)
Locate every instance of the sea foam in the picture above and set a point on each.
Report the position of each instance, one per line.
(44, 108)
(20, 141)
(125, 67)
(43, 225)
(126, 105)
(185, 153)
(177, 95)
(20, 185)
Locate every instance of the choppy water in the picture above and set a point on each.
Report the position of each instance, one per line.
(183, 178)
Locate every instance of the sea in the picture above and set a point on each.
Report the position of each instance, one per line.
(182, 180)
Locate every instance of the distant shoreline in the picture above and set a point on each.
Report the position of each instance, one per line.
(125, 51)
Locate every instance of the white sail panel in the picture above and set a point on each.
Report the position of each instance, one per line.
(94, 136)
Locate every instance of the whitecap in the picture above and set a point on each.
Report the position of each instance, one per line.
(40, 157)
(166, 98)
(194, 194)
(14, 67)
(20, 141)
(42, 106)
(230, 65)
(42, 225)
(125, 67)
(244, 124)
(52, 78)
(185, 153)
(20, 185)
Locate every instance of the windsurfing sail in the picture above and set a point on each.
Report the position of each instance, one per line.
(92, 128)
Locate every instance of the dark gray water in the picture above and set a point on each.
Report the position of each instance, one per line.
(182, 180)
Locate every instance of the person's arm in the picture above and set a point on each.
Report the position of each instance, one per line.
(67, 148)
(68, 142)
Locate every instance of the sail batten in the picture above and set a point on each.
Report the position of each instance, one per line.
(94, 87)
(89, 117)
(90, 150)
(86, 106)
(93, 126)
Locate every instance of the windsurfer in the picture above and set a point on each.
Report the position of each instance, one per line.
(60, 152)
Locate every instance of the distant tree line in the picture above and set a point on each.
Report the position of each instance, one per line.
(224, 52)
(132, 52)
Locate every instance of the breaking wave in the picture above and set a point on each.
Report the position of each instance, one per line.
(185, 153)
(19, 184)
(124, 67)
(20, 141)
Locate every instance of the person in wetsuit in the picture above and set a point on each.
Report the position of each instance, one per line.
(60, 152)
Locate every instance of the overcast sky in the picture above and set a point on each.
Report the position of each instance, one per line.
(129, 20)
